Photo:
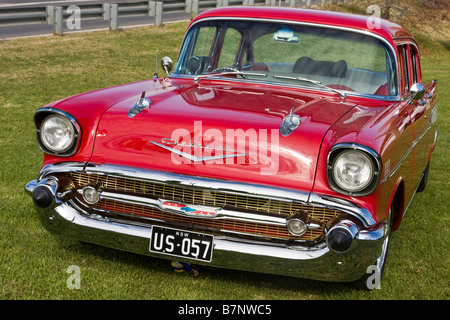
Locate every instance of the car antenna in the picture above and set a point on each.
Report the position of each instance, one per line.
(155, 75)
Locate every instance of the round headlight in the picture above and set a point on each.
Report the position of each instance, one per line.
(57, 133)
(353, 170)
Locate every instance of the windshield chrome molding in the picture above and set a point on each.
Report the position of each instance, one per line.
(291, 85)
(341, 94)
(238, 73)
(310, 24)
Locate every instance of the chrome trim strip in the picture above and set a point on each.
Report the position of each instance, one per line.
(364, 32)
(362, 214)
(199, 182)
(63, 167)
(407, 153)
(433, 113)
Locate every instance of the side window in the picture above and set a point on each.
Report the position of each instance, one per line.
(415, 64)
(230, 48)
(403, 54)
(204, 41)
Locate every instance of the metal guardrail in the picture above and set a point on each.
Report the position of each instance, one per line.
(56, 15)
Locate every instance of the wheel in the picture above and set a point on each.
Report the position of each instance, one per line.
(371, 280)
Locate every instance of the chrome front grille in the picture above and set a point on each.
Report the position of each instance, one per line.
(319, 216)
(186, 195)
(216, 226)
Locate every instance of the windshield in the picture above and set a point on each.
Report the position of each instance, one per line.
(288, 53)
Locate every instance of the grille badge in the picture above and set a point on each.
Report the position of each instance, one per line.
(191, 210)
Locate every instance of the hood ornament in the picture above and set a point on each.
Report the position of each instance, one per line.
(141, 104)
(289, 123)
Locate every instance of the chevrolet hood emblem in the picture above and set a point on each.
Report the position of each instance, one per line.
(197, 158)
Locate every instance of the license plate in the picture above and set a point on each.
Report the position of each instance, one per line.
(181, 243)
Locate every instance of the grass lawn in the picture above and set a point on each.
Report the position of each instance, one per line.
(33, 263)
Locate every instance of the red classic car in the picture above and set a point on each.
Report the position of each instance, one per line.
(283, 141)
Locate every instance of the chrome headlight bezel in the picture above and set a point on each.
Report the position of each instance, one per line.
(44, 115)
(367, 154)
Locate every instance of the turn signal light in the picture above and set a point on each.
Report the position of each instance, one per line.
(296, 227)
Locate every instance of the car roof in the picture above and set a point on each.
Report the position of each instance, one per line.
(387, 29)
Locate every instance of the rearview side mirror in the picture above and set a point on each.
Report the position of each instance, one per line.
(286, 35)
(167, 64)
(417, 91)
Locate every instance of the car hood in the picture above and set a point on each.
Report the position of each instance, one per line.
(219, 130)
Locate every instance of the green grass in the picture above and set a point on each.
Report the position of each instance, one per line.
(33, 263)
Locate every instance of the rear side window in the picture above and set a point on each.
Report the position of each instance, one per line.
(415, 64)
(404, 69)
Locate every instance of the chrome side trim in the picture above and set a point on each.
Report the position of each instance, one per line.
(433, 114)
(407, 153)
(329, 202)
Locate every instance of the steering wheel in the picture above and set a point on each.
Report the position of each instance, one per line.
(230, 69)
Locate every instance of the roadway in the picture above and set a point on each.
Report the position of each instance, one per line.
(40, 29)
(9, 32)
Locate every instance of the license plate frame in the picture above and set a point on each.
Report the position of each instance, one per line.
(182, 243)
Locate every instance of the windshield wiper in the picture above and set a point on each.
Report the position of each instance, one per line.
(239, 73)
(341, 94)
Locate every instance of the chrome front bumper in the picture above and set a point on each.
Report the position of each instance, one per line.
(318, 262)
